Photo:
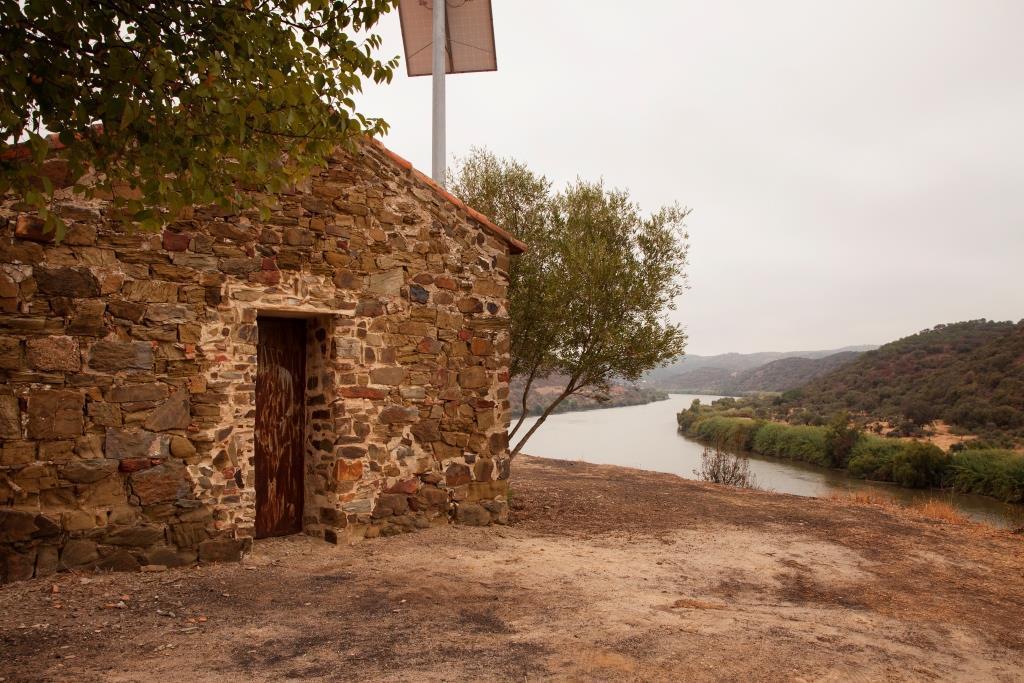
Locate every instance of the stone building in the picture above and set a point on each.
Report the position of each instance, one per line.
(340, 370)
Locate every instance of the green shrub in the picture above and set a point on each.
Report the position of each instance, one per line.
(919, 465)
(840, 438)
(996, 473)
(785, 441)
(734, 433)
(872, 458)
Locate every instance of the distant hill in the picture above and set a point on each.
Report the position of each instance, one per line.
(788, 373)
(545, 389)
(738, 373)
(968, 374)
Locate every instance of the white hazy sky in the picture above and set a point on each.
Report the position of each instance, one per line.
(855, 168)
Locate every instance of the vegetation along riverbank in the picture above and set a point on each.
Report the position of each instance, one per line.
(998, 473)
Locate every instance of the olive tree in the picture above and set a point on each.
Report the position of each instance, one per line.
(168, 103)
(589, 299)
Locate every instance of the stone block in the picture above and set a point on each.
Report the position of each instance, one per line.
(134, 443)
(498, 510)
(141, 536)
(418, 295)
(182, 448)
(78, 552)
(78, 520)
(114, 356)
(390, 504)
(55, 414)
(174, 241)
(16, 525)
(105, 414)
(127, 310)
(16, 566)
(413, 393)
(87, 318)
(406, 486)
(224, 549)
(390, 376)
(54, 353)
(150, 291)
(14, 453)
(472, 514)
(87, 471)
(483, 469)
(29, 227)
(174, 413)
(47, 560)
(487, 490)
(76, 283)
(118, 561)
(457, 474)
(138, 393)
(470, 305)
(166, 556)
(348, 470)
(10, 417)
(160, 484)
(397, 414)
(10, 354)
(426, 430)
(444, 451)
(387, 283)
(362, 392)
(346, 279)
(473, 377)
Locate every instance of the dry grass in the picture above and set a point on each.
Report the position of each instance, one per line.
(942, 511)
(933, 509)
(862, 498)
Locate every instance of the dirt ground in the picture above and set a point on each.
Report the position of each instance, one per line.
(605, 574)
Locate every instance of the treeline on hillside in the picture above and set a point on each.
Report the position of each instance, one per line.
(969, 375)
(914, 464)
(618, 395)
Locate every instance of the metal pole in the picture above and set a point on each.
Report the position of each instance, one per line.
(440, 39)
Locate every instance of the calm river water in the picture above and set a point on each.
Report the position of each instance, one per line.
(645, 437)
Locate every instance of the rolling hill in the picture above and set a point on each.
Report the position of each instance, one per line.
(968, 374)
(740, 373)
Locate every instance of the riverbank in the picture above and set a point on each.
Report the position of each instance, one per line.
(606, 573)
(545, 391)
(568, 406)
(994, 473)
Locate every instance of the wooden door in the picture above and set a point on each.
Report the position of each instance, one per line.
(280, 425)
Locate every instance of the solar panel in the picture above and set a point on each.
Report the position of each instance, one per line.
(470, 33)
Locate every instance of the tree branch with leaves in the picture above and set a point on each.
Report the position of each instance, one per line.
(170, 104)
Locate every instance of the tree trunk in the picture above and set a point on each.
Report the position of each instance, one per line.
(522, 409)
(569, 390)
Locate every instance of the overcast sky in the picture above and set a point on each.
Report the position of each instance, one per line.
(855, 168)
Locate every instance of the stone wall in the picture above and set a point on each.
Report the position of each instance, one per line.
(129, 360)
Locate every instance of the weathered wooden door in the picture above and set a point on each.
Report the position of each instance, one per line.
(280, 425)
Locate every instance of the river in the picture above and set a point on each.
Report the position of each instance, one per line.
(645, 437)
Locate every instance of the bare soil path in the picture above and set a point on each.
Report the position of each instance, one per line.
(605, 574)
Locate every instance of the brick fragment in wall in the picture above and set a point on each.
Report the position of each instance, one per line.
(129, 359)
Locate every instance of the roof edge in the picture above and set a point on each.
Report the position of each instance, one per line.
(516, 246)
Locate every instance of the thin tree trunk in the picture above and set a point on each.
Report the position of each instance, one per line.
(522, 409)
(569, 390)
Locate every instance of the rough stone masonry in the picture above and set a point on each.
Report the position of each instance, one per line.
(129, 358)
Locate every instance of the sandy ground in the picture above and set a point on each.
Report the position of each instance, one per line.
(605, 574)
